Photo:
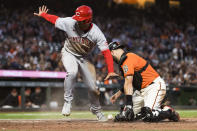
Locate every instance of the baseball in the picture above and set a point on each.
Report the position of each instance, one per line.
(110, 117)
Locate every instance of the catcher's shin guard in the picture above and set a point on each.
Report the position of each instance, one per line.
(149, 115)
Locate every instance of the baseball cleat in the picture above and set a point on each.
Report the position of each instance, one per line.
(175, 116)
(66, 109)
(101, 118)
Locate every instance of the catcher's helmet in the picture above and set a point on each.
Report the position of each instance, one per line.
(83, 13)
(115, 45)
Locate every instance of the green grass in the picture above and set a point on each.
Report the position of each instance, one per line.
(50, 115)
(74, 114)
(188, 113)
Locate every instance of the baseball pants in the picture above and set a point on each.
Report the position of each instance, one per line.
(150, 96)
(73, 65)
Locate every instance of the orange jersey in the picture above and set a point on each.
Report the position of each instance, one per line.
(135, 63)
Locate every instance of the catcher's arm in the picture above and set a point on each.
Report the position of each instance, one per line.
(128, 86)
(43, 13)
(127, 114)
(128, 90)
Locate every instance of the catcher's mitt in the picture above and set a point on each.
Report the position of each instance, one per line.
(126, 115)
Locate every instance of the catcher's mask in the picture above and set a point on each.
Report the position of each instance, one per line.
(115, 45)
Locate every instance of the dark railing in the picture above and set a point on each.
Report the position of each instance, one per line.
(48, 85)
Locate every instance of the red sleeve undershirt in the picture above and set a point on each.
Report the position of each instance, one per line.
(108, 60)
(50, 18)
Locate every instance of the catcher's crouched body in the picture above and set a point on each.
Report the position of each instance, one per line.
(143, 88)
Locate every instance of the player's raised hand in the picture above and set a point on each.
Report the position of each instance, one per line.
(42, 9)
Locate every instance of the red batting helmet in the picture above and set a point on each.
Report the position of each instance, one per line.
(83, 13)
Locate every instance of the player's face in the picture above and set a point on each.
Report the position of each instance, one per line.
(83, 25)
(115, 58)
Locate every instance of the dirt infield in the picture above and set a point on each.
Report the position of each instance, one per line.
(93, 125)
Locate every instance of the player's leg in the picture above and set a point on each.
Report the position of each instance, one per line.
(89, 75)
(138, 103)
(71, 67)
(153, 96)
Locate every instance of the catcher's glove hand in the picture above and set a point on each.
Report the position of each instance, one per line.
(126, 115)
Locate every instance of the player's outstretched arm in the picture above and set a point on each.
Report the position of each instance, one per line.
(43, 13)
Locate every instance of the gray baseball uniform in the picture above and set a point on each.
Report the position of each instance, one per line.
(77, 45)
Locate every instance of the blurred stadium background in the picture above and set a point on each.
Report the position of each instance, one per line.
(32, 75)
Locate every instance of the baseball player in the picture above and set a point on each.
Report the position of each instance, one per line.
(144, 88)
(81, 37)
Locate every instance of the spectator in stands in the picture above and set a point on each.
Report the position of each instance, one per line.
(11, 100)
(171, 45)
(192, 101)
(38, 98)
(28, 101)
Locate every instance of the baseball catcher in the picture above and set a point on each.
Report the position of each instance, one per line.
(144, 89)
